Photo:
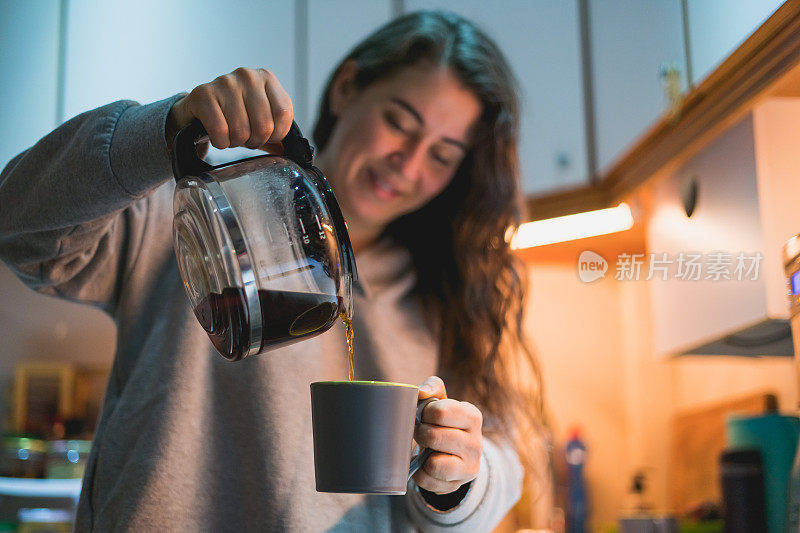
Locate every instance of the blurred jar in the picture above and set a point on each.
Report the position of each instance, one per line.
(45, 521)
(22, 457)
(66, 459)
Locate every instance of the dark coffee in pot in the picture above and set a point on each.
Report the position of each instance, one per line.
(286, 317)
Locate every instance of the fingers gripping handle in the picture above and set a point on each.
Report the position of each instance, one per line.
(419, 460)
(186, 162)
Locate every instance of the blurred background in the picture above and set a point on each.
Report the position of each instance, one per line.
(682, 111)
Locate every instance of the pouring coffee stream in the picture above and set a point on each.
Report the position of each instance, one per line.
(348, 324)
(262, 247)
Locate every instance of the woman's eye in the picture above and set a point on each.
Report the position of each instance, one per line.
(394, 123)
(444, 161)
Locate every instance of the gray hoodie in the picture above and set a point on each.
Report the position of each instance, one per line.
(186, 440)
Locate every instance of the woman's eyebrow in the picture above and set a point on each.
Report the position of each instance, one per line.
(408, 107)
(416, 114)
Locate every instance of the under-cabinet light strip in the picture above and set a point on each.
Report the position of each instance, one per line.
(571, 227)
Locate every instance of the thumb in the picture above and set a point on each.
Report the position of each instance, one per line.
(432, 387)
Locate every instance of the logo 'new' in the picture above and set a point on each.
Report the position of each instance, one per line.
(591, 266)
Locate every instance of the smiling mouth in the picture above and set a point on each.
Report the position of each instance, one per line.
(382, 188)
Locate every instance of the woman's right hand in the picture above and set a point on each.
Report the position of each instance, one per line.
(248, 107)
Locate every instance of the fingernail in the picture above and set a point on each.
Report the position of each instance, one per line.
(426, 388)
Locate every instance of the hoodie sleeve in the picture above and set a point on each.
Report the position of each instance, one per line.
(72, 206)
(496, 489)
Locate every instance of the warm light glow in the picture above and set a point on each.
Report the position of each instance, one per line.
(571, 227)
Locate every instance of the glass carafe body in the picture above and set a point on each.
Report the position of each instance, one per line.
(261, 247)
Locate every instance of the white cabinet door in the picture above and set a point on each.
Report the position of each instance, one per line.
(688, 311)
(630, 41)
(541, 40)
(718, 27)
(150, 49)
(328, 45)
(29, 70)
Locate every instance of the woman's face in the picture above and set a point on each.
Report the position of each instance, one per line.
(397, 143)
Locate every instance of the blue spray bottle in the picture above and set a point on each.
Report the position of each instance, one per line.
(578, 512)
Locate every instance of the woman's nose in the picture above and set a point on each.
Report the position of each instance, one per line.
(407, 162)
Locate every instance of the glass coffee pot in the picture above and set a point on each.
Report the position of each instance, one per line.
(261, 245)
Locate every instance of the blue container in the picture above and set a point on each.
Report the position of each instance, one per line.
(776, 437)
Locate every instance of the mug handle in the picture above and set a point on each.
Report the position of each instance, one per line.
(418, 460)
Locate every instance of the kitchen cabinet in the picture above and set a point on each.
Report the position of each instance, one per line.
(156, 49)
(541, 40)
(718, 27)
(631, 41)
(29, 34)
(746, 194)
(326, 48)
(187, 43)
(760, 66)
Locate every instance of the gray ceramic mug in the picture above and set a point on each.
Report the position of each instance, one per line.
(362, 436)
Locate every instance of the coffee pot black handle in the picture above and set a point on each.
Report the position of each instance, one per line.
(186, 162)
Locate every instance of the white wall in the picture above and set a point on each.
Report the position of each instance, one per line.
(595, 345)
(576, 329)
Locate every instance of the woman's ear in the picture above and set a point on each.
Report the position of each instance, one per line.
(343, 88)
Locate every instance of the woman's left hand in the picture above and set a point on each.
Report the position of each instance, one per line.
(453, 429)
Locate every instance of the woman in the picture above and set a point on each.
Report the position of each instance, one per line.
(417, 135)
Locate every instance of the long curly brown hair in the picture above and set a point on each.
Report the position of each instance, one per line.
(467, 276)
